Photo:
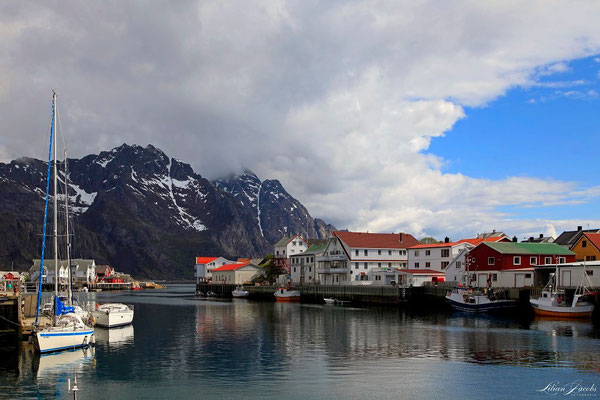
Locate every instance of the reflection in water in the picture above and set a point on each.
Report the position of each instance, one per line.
(185, 347)
(114, 337)
(67, 362)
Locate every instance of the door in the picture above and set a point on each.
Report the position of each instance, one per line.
(565, 278)
(519, 280)
(482, 280)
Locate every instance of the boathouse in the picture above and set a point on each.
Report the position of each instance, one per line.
(235, 274)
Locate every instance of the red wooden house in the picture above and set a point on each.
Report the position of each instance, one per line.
(512, 264)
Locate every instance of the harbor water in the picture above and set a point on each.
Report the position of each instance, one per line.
(180, 346)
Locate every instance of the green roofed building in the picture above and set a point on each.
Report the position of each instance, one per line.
(511, 264)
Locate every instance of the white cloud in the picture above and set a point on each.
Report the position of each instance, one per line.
(339, 100)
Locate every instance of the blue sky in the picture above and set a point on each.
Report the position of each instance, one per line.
(548, 131)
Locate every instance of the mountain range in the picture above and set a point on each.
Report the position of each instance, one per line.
(147, 214)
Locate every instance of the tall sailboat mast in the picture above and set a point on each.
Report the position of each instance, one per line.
(70, 288)
(55, 203)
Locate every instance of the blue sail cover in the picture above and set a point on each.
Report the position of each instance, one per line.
(60, 308)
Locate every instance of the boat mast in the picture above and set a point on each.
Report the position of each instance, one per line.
(55, 202)
(70, 289)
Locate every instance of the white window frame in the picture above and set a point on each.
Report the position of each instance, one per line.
(515, 260)
(562, 260)
(547, 260)
(533, 260)
(491, 261)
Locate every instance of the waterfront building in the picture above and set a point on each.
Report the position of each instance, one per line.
(448, 257)
(540, 239)
(303, 266)
(83, 271)
(235, 274)
(350, 257)
(587, 247)
(570, 275)
(569, 238)
(511, 264)
(286, 247)
(205, 265)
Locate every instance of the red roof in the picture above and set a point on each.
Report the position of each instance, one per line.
(377, 240)
(205, 260)
(422, 272)
(474, 242)
(594, 238)
(230, 267)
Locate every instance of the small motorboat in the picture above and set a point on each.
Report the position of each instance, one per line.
(553, 302)
(113, 314)
(335, 302)
(287, 294)
(329, 300)
(239, 292)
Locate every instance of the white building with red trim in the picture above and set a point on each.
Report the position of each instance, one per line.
(350, 257)
(286, 247)
(236, 273)
(205, 265)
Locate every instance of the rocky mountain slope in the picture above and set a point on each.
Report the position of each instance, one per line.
(148, 214)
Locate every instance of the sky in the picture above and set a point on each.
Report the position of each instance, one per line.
(433, 118)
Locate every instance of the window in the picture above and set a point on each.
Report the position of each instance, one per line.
(428, 265)
(548, 260)
(365, 265)
(277, 252)
(389, 252)
(533, 260)
(445, 264)
(590, 258)
(491, 260)
(416, 265)
(389, 265)
(495, 277)
(378, 252)
(517, 260)
(590, 273)
(309, 269)
(416, 253)
(527, 276)
(584, 243)
(562, 260)
(458, 265)
(366, 252)
(427, 252)
(445, 252)
(356, 252)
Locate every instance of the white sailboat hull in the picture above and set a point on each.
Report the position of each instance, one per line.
(52, 339)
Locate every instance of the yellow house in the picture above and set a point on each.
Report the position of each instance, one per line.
(587, 248)
(235, 274)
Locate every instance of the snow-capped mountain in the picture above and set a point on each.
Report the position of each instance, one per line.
(148, 214)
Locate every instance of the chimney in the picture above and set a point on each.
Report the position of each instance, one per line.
(579, 228)
(446, 239)
(400, 237)
(531, 238)
(493, 231)
(515, 239)
(541, 235)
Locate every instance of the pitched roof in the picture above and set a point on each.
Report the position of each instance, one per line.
(473, 241)
(314, 249)
(568, 238)
(286, 239)
(229, 267)
(205, 260)
(528, 248)
(377, 240)
(317, 241)
(594, 238)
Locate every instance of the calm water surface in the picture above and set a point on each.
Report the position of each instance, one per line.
(183, 347)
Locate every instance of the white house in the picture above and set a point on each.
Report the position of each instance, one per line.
(83, 270)
(303, 266)
(448, 257)
(349, 257)
(288, 246)
(205, 265)
(238, 273)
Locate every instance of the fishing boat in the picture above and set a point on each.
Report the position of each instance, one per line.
(479, 300)
(68, 330)
(111, 315)
(286, 294)
(239, 292)
(554, 303)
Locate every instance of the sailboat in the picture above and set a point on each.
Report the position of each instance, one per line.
(553, 302)
(68, 331)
